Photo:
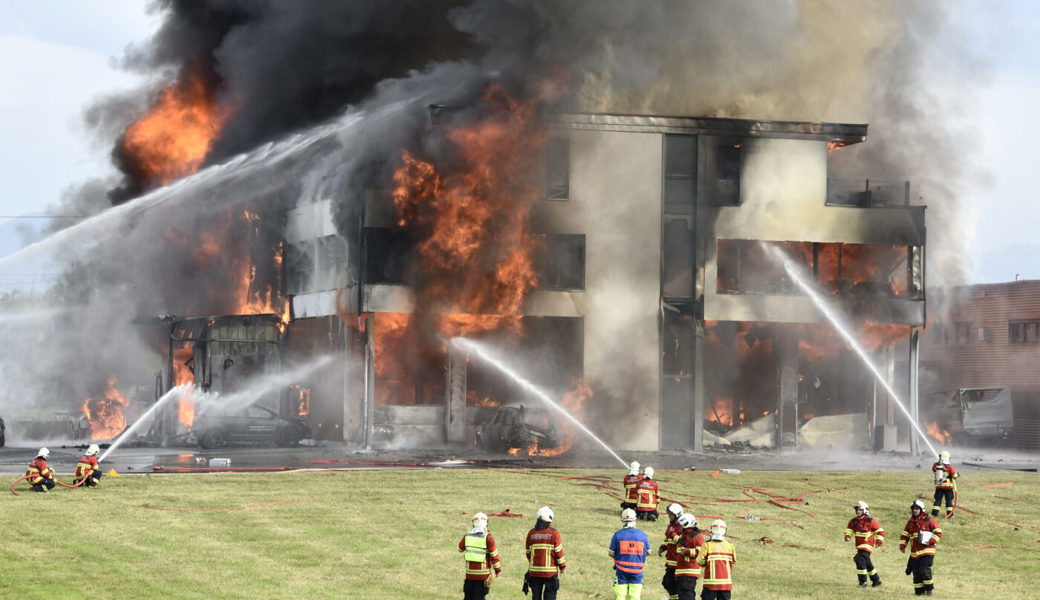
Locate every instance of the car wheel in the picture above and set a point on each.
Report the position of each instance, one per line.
(211, 439)
(290, 436)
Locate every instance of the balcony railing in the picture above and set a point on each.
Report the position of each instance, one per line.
(867, 193)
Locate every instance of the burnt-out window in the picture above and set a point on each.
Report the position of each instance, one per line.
(387, 256)
(679, 170)
(1023, 332)
(727, 174)
(560, 262)
(963, 332)
(558, 169)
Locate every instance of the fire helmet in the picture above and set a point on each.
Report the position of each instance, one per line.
(918, 504)
(628, 515)
(93, 449)
(944, 457)
(687, 520)
(675, 509)
(718, 529)
(480, 520)
(648, 472)
(44, 453)
(863, 505)
(546, 514)
(633, 469)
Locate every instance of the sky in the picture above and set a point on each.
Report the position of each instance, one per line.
(57, 57)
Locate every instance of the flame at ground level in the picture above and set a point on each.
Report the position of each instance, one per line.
(104, 413)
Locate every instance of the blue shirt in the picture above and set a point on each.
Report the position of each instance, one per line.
(630, 547)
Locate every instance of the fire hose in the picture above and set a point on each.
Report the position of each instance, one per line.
(950, 514)
(75, 485)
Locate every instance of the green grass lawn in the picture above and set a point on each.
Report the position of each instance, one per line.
(394, 534)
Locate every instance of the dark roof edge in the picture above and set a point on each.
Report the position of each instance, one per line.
(844, 133)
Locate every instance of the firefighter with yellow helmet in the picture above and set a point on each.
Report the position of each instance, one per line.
(481, 554)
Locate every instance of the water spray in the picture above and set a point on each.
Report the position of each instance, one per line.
(175, 392)
(832, 315)
(488, 356)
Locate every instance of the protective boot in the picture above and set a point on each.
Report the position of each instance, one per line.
(875, 580)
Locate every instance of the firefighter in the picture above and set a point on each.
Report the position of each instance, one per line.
(630, 482)
(41, 477)
(544, 557)
(716, 560)
(481, 556)
(647, 496)
(671, 536)
(87, 467)
(628, 547)
(867, 533)
(945, 484)
(923, 534)
(687, 550)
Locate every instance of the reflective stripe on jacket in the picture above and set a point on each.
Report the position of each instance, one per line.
(544, 552)
(646, 491)
(38, 471)
(866, 533)
(911, 534)
(944, 476)
(481, 555)
(671, 536)
(717, 558)
(87, 465)
(630, 482)
(688, 548)
(630, 547)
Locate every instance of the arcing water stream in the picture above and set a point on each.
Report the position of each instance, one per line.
(832, 315)
(488, 356)
(175, 392)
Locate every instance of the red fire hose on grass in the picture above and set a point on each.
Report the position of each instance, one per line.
(24, 477)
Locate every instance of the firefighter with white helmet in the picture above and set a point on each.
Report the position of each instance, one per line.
(628, 547)
(922, 533)
(40, 476)
(87, 467)
(545, 561)
(671, 536)
(945, 484)
(647, 496)
(716, 560)
(688, 549)
(482, 562)
(868, 534)
(630, 482)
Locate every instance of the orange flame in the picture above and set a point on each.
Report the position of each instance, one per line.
(939, 434)
(105, 412)
(573, 402)
(173, 138)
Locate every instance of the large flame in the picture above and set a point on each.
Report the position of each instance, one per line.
(104, 412)
(182, 375)
(173, 138)
(939, 434)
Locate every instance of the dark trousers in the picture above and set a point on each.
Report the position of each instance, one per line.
(940, 495)
(715, 594)
(92, 480)
(43, 486)
(922, 570)
(646, 515)
(544, 588)
(669, 583)
(865, 567)
(687, 588)
(474, 590)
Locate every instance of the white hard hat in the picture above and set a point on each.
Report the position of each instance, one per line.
(944, 457)
(718, 529)
(649, 472)
(44, 453)
(546, 514)
(93, 449)
(675, 509)
(918, 504)
(687, 520)
(633, 469)
(863, 505)
(628, 515)
(480, 520)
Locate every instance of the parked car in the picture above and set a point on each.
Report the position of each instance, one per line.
(518, 426)
(255, 424)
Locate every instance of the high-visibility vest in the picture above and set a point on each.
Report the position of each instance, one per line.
(476, 547)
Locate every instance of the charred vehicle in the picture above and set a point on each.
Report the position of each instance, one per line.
(254, 424)
(978, 414)
(518, 426)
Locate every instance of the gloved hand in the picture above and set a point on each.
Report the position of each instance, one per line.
(527, 585)
(879, 543)
(498, 572)
(847, 538)
(902, 547)
(909, 567)
(661, 549)
(562, 569)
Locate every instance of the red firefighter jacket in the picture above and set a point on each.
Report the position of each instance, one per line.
(481, 554)
(671, 536)
(86, 466)
(717, 558)
(867, 531)
(689, 545)
(914, 526)
(944, 476)
(647, 495)
(38, 471)
(544, 552)
(631, 481)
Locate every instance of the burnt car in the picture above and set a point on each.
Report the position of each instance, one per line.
(518, 426)
(254, 424)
